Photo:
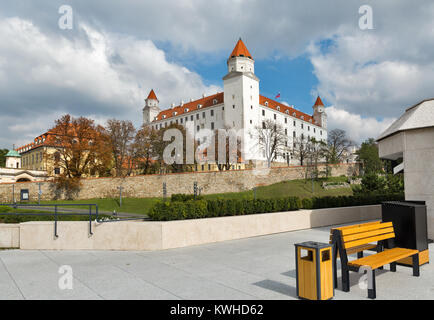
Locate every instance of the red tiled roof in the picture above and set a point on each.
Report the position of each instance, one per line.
(192, 106)
(285, 109)
(219, 97)
(152, 95)
(318, 102)
(46, 139)
(240, 50)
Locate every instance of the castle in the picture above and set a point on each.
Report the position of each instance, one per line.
(240, 106)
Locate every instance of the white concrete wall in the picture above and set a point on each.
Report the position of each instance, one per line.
(419, 170)
(9, 235)
(130, 235)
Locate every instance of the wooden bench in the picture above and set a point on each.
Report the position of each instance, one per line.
(357, 238)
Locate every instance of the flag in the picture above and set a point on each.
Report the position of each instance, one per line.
(277, 96)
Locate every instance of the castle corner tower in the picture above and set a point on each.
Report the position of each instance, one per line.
(319, 114)
(151, 109)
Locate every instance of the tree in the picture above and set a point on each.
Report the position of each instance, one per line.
(338, 146)
(83, 148)
(144, 148)
(120, 135)
(3, 153)
(272, 140)
(301, 149)
(368, 155)
(316, 150)
(230, 151)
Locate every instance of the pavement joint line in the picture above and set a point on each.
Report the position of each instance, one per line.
(206, 279)
(140, 278)
(75, 277)
(12, 278)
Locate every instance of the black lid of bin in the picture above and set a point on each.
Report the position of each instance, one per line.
(313, 245)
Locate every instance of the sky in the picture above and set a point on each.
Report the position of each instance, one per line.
(116, 51)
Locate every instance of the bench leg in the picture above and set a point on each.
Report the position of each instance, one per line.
(393, 267)
(345, 280)
(359, 254)
(416, 265)
(372, 293)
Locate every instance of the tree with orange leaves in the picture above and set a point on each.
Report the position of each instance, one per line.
(82, 147)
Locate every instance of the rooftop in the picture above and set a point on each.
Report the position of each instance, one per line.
(420, 115)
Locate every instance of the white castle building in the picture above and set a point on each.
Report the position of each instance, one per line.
(240, 106)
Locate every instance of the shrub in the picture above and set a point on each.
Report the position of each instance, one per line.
(191, 209)
(184, 197)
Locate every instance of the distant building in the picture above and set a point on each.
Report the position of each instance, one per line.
(240, 106)
(15, 173)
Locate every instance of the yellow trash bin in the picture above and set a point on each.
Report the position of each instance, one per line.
(314, 269)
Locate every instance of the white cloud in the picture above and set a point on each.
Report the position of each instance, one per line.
(357, 128)
(100, 74)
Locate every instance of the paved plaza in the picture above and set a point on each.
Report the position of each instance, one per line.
(255, 268)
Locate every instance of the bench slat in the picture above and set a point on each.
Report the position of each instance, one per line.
(376, 226)
(382, 258)
(352, 244)
(356, 225)
(362, 235)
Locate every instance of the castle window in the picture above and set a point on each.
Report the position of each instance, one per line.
(266, 103)
(320, 132)
(251, 107)
(191, 118)
(199, 106)
(275, 117)
(302, 126)
(56, 170)
(214, 101)
(308, 128)
(164, 116)
(294, 123)
(197, 116)
(186, 110)
(175, 113)
(212, 125)
(287, 111)
(212, 113)
(197, 128)
(314, 130)
(293, 134)
(263, 112)
(286, 120)
(286, 132)
(203, 115)
(186, 119)
(233, 106)
(278, 108)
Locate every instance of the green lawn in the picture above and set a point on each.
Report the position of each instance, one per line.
(299, 188)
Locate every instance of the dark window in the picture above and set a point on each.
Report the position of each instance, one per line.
(56, 170)
(197, 116)
(263, 112)
(203, 114)
(286, 120)
(286, 131)
(212, 125)
(212, 113)
(233, 106)
(275, 117)
(302, 126)
(191, 118)
(197, 128)
(263, 125)
(293, 134)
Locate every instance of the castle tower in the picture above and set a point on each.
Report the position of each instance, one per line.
(241, 93)
(319, 114)
(151, 109)
(13, 159)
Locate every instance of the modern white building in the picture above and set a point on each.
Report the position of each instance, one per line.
(411, 138)
(241, 107)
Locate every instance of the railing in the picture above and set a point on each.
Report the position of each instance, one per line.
(56, 212)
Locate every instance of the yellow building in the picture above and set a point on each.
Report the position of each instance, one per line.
(40, 155)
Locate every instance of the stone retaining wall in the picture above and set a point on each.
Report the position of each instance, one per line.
(146, 186)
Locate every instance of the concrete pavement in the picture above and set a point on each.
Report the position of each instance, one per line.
(254, 268)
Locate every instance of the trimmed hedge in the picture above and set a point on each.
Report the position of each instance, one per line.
(191, 209)
(184, 197)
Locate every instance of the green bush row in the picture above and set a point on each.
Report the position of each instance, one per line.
(184, 197)
(191, 209)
